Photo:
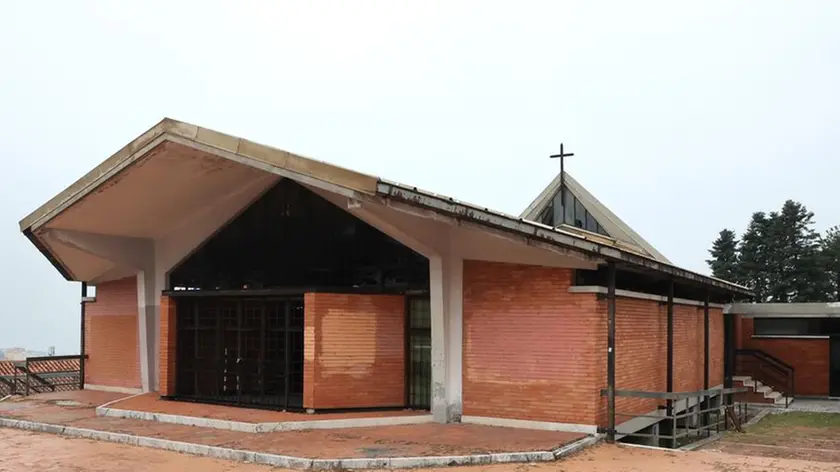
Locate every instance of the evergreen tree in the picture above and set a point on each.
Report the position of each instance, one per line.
(830, 252)
(794, 265)
(724, 261)
(755, 258)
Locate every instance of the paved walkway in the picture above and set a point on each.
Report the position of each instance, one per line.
(370, 442)
(36, 452)
(815, 405)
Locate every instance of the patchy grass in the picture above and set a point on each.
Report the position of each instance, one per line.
(781, 422)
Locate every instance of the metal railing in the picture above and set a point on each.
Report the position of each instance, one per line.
(682, 416)
(767, 369)
(40, 374)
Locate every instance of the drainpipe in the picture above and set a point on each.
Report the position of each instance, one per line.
(706, 357)
(670, 354)
(82, 339)
(611, 351)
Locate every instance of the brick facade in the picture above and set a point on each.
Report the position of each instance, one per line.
(167, 345)
(531, 349)
(111, 337)
(534, 351)
(354, 351)
(810, 357)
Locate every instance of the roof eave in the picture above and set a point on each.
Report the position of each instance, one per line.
(531, 229)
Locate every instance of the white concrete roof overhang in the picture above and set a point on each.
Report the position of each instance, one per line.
(163, 181)
(785, 310)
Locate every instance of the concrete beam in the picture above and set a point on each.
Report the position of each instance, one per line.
(132, 252)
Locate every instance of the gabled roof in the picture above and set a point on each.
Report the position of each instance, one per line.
(609, 221)
(171, 143)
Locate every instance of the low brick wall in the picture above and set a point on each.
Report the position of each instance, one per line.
(111, 336)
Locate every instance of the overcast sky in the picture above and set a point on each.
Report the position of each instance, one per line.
(684, 120)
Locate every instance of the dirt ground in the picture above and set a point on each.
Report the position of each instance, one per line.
(25, 451)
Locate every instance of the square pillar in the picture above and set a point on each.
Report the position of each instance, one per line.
(147, 329)
(446, 302)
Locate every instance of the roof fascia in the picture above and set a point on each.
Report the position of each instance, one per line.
(538, 231)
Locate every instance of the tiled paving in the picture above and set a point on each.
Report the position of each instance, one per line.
(380, 441)
(152, 403)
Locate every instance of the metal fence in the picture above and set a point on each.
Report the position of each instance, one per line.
(681, 416)
(40, 375)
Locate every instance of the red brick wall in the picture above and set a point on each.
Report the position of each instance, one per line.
(640, 354)
(534, 351)
(111, 337)
(353, 350)
(167, 346)
(531, 349)
(808, 356)
(642, 351)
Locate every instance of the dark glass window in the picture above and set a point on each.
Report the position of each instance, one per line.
(795, 326)
(580, 214)
(569, 214)
(591, 225)
(557, 205)
(293, 238)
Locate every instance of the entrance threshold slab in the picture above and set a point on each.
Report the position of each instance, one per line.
(150, 407)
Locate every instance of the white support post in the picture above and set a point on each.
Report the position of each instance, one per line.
(437, 298)
(454, 278)
(446, 297)
(148, 308)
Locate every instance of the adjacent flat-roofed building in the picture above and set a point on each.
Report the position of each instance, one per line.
(229, 271)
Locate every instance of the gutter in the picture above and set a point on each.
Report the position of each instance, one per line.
(46, 252)
(531, 229)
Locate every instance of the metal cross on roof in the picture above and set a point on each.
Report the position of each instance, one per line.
(563, 155)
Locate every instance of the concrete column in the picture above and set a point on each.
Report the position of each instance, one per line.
(446, 297)
(148, 311)
(437, 306)
(454, 277)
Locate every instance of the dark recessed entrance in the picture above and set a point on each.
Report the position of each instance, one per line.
(246, 351)
(834, 366)
(240, 309)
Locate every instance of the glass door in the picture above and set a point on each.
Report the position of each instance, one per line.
(419, 356)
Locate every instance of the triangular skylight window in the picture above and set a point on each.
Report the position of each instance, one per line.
(573, 213)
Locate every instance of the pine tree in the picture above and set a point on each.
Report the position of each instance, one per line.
(795, 265)
(724, 262)
(830, 252)
(755, 256)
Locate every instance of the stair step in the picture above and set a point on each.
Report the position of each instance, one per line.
(781, 400)
(765, 390)
(774, 395)
(741, 378)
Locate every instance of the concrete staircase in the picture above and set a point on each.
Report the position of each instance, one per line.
(758, 392)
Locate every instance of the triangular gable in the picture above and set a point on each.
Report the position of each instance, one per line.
(583, 211)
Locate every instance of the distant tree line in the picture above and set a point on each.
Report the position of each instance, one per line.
(781, 257)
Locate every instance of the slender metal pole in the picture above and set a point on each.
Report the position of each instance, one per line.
(706, 357)
(670, 353)
(611, 351)
(82, 339)
(729, 352)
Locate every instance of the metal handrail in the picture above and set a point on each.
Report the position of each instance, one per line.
(765, 360)
(765, 355)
